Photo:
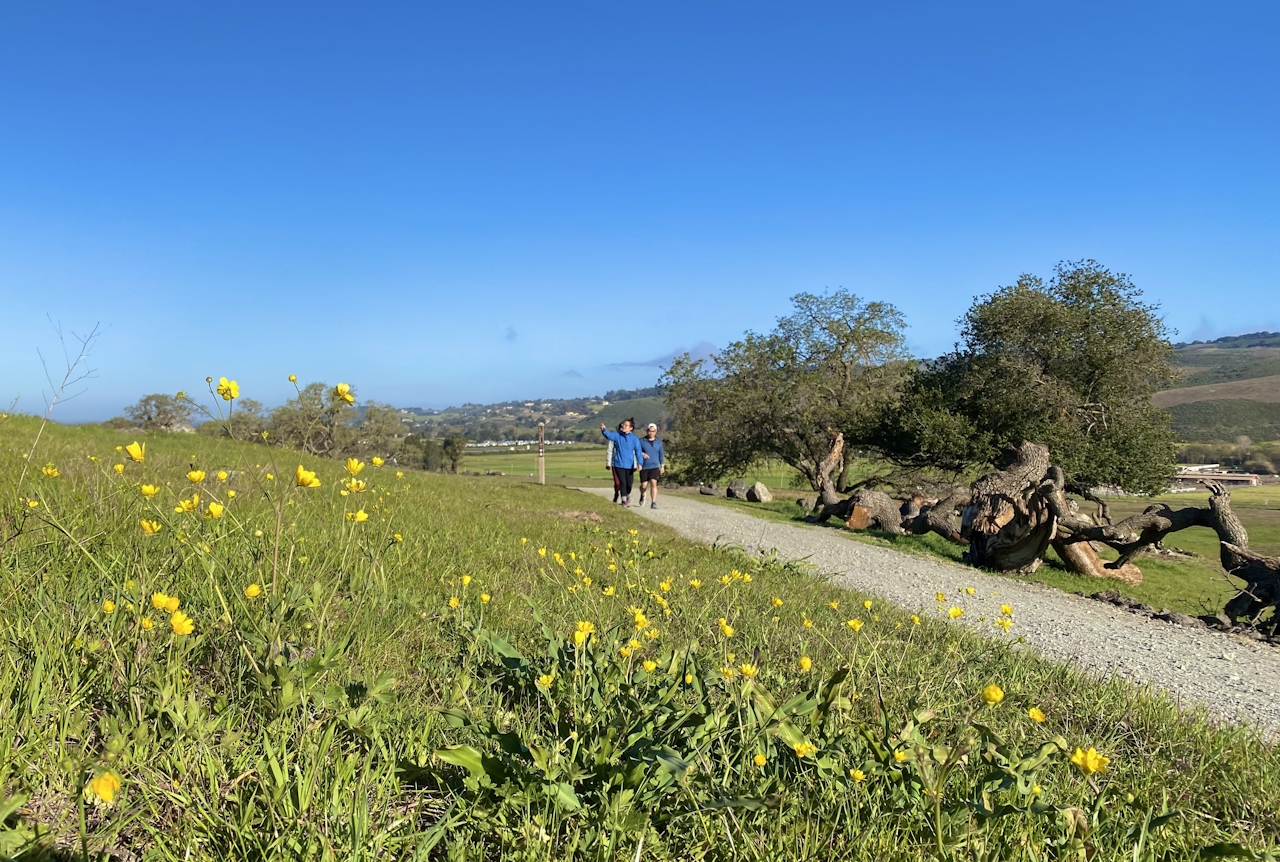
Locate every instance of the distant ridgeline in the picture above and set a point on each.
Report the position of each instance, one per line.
(564, 418)
(1230, 387)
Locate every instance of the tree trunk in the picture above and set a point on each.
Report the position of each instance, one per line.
(828, 499)
(1082, 558)
(1007, 523)
(874, 509)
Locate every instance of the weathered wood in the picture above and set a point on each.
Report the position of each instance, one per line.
(1082, 558)
(1007, 523)
(1262, 578)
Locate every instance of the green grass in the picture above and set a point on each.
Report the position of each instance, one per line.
(322, 719)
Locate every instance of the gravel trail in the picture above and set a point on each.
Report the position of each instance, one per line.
(1234, 678)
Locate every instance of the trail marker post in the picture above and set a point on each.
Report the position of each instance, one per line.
(542, 455)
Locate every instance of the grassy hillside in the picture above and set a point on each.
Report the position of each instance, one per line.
(1227, 388)
(1260, 389)
(1204, 421)
(453, 667)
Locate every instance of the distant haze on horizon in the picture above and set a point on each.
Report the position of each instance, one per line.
(443, 204)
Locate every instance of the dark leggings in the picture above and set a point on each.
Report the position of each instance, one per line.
(622, 480)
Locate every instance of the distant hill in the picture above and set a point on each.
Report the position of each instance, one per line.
(1228, 387)
(562, 418)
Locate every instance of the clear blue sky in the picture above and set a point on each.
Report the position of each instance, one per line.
(478, 201)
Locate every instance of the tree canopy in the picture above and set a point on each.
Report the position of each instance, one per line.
(1071, 363)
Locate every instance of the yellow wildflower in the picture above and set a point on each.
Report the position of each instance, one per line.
(376, 461)
(453, 601)
(867, 604)
(108, 606)
(150, 528)
(397, 538)
(354, 465)
(485, 598)
(1036, 714)
(834, 605)
(650, 665)
(305, 478)
(119, 468)
(195, 476)
(969, 590)
(777, 602)
(806, 664)
(158, 600)
(955, 613)
(253, 591)
(228, 389)
(105, 786)
(940, 597)
(726, 629)
(171, 603)
(805, 749)
(1090, 761)
(901, 757)
(748, 670)
(342, 392)
(293, 378)
(1006, 610)
(759, 760)
(214, 510)
(610, 590)
(651, 634)
(545, 680)
(400, 474)
(231, 495)
(857, 775)
(188, 505)
(149, 490)
(146, 624)
(915, 619)
(855, 624)
(181, 623)
(1004, 623)
(50, 471)
(665, 586)
(992, 694)
(696, 584)
(466, 579)
(808, 623)
(625, 652)
(136, 452)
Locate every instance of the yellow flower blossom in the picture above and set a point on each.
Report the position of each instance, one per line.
(901, 757)
(108, 606)
(696, 584)
(136, 452)
(228, 389)
(867, 604)
(453, 601)
(1036, 714)
(610, 590)
(305, 478)
(253, 591)
(776, 602)
(354, 465)
(651, 634)
(992, 694)
(188, 505)
(726, 629)
(485, 598)
(806, 664)
(650, 665)
(1090, 761)
(748, 670)
(397, 538)
(399, 474)
(171, 603)
(759, 760)
(195, 476)
(955, 613)
(105, 786)
(915, 619)
(376, 461)
(158, 600)
(834, 605)
(805, 749)
(150, 528)
(214, 510)
(466, 579)
(542, 552)
(857, 775)
(342, 392)
(545, 680)
(181, 624)
(1006, 610)
(625, 652)
(146, 624)
(969, 590)
(231, 495)
(1004, 623)
(940, 597)
(855, 624)
(358, 517)
(293, 378)
(50, 471)
(149, 490)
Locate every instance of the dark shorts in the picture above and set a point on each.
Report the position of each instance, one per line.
(649, 475)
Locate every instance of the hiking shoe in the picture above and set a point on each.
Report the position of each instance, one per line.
(626, 502)
(653, 505)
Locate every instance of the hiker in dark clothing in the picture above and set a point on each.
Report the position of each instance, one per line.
(626, 456)
(653, 464)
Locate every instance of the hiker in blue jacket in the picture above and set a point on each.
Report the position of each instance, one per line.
(652, 465)
(626, 456)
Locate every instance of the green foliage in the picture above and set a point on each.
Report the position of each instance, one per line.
(1072, 364)
(828, 366)
(303, 721)
(1204, 421)
(453, 449)
(158, 412)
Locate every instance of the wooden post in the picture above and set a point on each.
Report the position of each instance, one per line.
(542, 456)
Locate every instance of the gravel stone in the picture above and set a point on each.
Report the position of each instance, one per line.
(1184, 660)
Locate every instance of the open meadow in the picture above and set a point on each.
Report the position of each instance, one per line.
(218, 650)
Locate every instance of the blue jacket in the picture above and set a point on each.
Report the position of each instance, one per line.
(626, 449)
(653, 450)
